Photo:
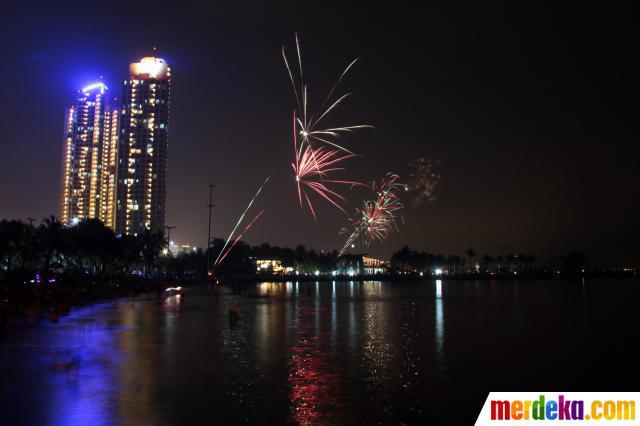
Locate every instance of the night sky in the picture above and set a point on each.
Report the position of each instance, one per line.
(532, 110)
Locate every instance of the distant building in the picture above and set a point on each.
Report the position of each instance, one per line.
(142, 148)
(272, 266)
(89, 158)
(373, 266)
(361, 264)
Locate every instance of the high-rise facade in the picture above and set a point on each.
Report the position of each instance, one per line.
(114, 162)
(142, 148)
(88, 158)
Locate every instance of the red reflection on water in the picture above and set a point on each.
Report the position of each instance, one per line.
(315, 387)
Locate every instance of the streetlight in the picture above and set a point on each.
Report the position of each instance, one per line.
(210, 205)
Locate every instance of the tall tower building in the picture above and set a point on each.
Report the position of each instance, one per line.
(142, 147)
(89, 158)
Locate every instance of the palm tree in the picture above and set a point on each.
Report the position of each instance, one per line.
(531, 259)
(130, 252)
(486, 260)
(453, 261)
(96, 244)
(300, 256)
(471, 253)
(508, 259)
(12, 242)
(50, 237)
(151, 246)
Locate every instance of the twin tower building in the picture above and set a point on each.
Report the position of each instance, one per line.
(114, 161)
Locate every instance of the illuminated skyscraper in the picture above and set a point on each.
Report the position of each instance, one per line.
(89, 158)
(142, 147)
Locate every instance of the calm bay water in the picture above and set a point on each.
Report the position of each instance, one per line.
(321, 353)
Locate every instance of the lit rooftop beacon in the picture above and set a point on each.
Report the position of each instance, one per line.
(150, 67)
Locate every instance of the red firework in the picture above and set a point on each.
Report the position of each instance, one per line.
(313, 167)
(377, 218)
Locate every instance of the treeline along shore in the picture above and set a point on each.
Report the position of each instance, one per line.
(47, 268)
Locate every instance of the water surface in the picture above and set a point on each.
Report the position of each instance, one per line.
(320, 353)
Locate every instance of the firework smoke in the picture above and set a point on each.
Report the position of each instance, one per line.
(424, 177)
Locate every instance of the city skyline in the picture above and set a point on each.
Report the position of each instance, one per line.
(537, 152)
(114, 157)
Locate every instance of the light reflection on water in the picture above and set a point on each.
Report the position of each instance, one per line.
(318, 353)
(439, 328)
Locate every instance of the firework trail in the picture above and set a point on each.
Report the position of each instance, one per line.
(424, 174)
(377, 218)
(309, 126)
(218, 262)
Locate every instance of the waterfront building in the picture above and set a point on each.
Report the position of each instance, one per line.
(361, 264)
(374, 266)
(89, 158)
(272, 266)
(142, 148)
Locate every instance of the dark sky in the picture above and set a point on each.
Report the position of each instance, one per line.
(531, 109)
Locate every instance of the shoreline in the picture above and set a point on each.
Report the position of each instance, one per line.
(30, 303)
(430, 277)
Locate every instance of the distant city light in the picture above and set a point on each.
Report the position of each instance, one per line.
(438, 271)
(75, 221)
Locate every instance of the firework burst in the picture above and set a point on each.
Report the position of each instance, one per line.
(314, 164)
(309, 125)
(377, 218)
(312, 169)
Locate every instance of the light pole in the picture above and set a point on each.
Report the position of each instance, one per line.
(210, 205)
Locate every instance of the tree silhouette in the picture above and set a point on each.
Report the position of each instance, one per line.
(471, 253)
(487, 260)
(50, 237)
(12, 242)
(151, 244)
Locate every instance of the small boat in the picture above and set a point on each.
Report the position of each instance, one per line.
(173, 291)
